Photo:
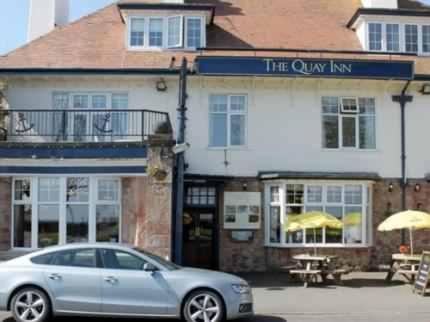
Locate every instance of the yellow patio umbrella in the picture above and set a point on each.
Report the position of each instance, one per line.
(410, 219)
(312, 220)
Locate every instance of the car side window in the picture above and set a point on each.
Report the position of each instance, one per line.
(76, 258)
(116, 259)
(45, 259)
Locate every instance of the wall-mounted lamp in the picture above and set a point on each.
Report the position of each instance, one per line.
(417, 187)
(161, 85)
(425, 90)
(390, 187)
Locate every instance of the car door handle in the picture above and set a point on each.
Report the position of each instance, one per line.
(111, 280)
(55, 277)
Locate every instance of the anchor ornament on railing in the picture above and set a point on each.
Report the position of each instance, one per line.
(106, 120)
(22, 125)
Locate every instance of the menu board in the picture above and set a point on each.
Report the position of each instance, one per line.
(242, 210)
(422, 280)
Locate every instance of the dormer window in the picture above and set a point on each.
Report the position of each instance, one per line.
(166, 32)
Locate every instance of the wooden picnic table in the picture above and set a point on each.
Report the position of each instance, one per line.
(310, 267)
(404, 264)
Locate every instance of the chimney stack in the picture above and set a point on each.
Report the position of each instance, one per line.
(45, 15)
(381, 4)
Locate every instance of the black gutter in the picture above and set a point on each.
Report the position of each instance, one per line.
(169, 6)
(298, 50)
(180, 166)
(91, 71)
(387, 12)
(403, 99)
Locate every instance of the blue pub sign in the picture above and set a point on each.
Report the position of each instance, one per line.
(304, 67)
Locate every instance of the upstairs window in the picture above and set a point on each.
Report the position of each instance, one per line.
(348, 123)
(166, 32)
(426, 39)
(411, 38)
(227, 121)
(393, 37)
(375, 36)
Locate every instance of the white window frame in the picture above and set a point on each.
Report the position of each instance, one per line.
(367, 227)
(341, 115)
(92, 202)
(229, 114)
(165, 46)
(402, 36)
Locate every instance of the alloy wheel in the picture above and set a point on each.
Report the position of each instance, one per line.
(204, 308)
(30, 306)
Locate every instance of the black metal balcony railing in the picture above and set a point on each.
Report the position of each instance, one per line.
(81, 126)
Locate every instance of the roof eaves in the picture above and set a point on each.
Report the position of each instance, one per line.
(387, 12)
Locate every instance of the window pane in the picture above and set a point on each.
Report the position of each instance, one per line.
(297, 236)
(49, 189)
(314, 194)
(349, 104)
(22, 190)
(80, 127)
(77, 223)
(411, 38)
(334, 235)
(120, 118)
(349, 132)
(375, 36)
(426, 39)
(314, 236)
(330, 132)
(108, 190)
(237, 104)
(274, 194)
(367, 132)
(218, 130)
(393, 38)
(137, 32)
(275, 224)
(237, 131)
(367, 106)
(78, 189)
(194, 33)
(76, 258)
(174, 30)
(48, 225)
(114, 259)
(22, 226)
(353, 195)
(218, 103)
(107, 217)
(99, 101)
(156, 32)
(334, 194)
(353, 225)
(80, 101)
(43, 259)
(295, 193)
(330, 105)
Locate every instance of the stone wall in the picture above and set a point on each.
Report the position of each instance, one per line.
(147, 205)
(5, 213)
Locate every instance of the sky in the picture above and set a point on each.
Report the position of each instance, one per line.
(14, 16)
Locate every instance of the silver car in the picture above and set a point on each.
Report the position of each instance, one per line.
(117, 280)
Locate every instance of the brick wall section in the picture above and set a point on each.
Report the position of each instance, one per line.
(5, 213)
(253, 256)
(147, 208)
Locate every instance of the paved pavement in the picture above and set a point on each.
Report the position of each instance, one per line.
(363, 298)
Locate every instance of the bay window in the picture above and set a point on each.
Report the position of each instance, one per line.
(155, 32)
(349, 202)
(49, 211)
(194, 32)
(348, 123)
(227, 120)
(411, 38)
(375, 36)
(426, 39)
(393, 37)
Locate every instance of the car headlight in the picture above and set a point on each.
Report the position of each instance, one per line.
(241, 288)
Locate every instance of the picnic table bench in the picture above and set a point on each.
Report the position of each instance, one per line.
(405, 265)
(310, 268)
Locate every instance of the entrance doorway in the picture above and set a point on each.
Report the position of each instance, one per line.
(199, 239)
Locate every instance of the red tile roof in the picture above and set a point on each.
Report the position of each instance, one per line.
(97, 41)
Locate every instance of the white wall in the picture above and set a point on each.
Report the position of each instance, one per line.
(387, 4)
(284, 122)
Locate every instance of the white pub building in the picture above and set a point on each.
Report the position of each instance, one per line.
(285, 107)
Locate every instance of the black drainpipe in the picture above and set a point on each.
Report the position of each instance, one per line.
(403, 99)
(180, 165)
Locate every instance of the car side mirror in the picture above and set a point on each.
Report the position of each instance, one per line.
(149, 268)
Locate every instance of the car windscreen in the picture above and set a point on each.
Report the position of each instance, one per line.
(165, 263)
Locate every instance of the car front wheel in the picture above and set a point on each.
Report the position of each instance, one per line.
(203, 306)
(30, 305)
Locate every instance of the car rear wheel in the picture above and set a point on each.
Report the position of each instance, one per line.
(203, 306)
(30, 305)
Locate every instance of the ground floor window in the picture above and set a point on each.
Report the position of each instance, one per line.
(349, 202)
(58, 210)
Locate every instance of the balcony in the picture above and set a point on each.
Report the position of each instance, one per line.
(48, 133)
